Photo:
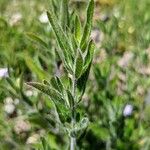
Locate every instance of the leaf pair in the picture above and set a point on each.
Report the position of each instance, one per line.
(55, 90)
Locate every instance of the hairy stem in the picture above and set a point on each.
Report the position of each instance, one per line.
(72, 143)
(73, 117)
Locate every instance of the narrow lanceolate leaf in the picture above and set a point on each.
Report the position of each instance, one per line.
(79, 64)
(58, 86)
(88, 24)
(77, 29)
(37, 39)
(71, 20)
(54, 95)
(60, 35)
(73, 42)
(64, 14)
(54, 83)
(65, 62)
(63, 113)
(81, 82)
(70, 99)
(89, 55)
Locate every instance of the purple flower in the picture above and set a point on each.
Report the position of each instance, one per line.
(128, 110)
(3, 72)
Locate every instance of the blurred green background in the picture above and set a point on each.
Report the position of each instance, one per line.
(117, 99)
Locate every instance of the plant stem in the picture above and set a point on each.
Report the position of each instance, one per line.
(73, 117)
(72, 143)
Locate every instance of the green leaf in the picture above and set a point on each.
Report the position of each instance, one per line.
(64, 14)
(88, 24)
(54, 95)
(60, 35)
(73, 42)
(63, 113)
(79, 64)
(62, 39)
(70, 99)
(54, 83)
(81, 82)
(57, 84)
(60, 84)
(78, 30)
(37, 39)
(71, 20)
(89, 55)
(66, 65)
